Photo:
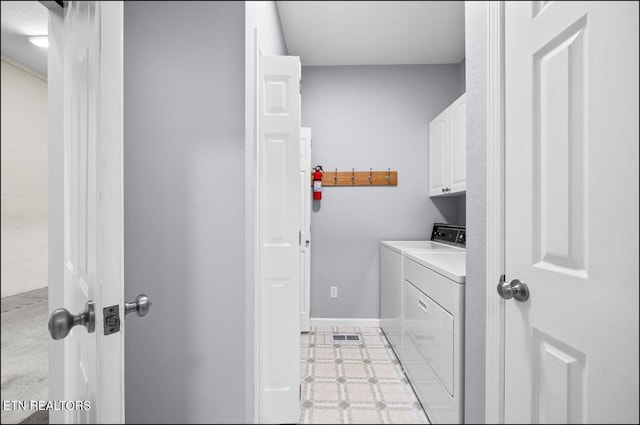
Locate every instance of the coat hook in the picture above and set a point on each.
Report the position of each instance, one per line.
(353, 176)
(335, 177)
(388, 174)
(370, 182)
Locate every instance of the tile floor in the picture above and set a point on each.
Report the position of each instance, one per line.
(25, 351)
(349, 383)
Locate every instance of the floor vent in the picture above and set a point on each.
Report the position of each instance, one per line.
(346, 338)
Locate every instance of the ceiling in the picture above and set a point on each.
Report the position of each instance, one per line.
(373, 32)
(320, 32)
(19, 20)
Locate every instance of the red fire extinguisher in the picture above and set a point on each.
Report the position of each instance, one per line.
(317, 182)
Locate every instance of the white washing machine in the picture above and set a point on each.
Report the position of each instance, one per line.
(392, 276)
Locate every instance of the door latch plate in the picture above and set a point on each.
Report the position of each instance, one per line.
(111, 316)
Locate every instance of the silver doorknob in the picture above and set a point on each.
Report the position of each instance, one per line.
(516, 289)
(61, 321)
(141, 306)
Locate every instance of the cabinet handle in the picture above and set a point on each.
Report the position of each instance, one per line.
(422, 305)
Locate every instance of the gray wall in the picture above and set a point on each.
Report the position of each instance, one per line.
(184, 191)
(475, 335)
(370, 117)
(462, 209)
(462, 75)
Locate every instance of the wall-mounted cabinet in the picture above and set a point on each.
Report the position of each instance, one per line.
(448, 150)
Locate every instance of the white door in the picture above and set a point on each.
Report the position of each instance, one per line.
(571, 147)
(92, 118)
(437, 154)
(305, 228)
(278, 316)
(457, 157)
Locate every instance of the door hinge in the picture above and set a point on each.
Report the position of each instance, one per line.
(299, 237)
(300, 86)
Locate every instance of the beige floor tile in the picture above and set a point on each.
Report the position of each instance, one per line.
(386, 371)
(365, 416)
(379, 353)
(373, 340)
(327, 416)
(304, 352)
(396, 392)
(406, 416)
(324, 353)
(352, 383)
(355, 370)
(351, 353)
(326, 391)
(325, 370)
(358, 392)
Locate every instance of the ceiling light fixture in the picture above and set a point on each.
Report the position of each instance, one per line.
(39, 40)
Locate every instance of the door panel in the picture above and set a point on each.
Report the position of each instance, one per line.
(571, 147)
(279, 274)
(79, 192)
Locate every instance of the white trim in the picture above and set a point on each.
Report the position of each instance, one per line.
(495, 237)
(320, 321)
(23, 68)
(253, 178)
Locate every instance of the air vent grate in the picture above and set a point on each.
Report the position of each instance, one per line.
(346, 338)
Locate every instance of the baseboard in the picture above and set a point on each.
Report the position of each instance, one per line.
(320, 321)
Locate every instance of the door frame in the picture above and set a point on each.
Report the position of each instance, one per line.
(252, 168)
(495, 204)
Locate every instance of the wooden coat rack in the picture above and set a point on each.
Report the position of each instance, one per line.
(359, 178)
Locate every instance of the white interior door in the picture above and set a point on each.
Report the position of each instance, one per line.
(279, 276)
(305, 228)
(92, 118)
(571, 147)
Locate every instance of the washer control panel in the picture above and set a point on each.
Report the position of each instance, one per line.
(451, 234)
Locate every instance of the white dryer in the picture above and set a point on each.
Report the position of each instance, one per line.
(433, 329)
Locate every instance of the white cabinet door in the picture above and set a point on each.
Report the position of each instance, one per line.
(458, 146)
(438, 130)
(571, 227)
(448, 150)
